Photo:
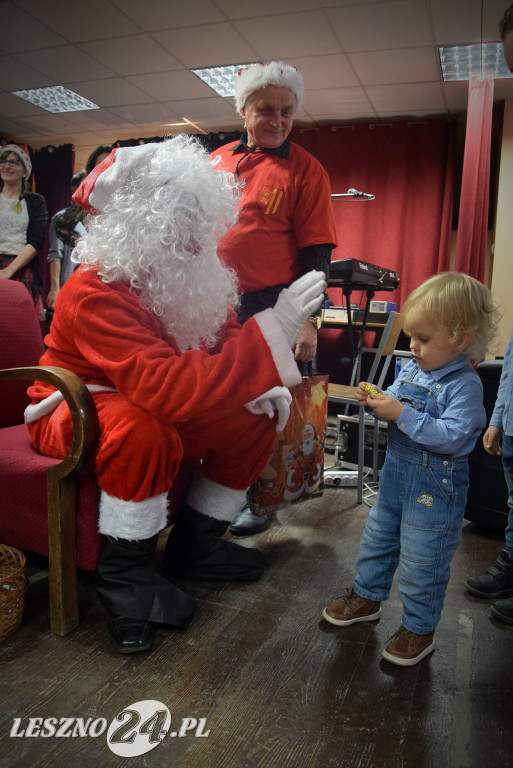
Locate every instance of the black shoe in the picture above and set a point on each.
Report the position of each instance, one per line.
(503, 610)
(130, 635)
(496, 582)
(196, 551)
(247, 524)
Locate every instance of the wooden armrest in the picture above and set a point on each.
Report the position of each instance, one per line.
(82, 408)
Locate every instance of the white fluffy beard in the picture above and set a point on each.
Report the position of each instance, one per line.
(192, 298)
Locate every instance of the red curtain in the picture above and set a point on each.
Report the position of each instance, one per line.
(408, 166)
(475, 183)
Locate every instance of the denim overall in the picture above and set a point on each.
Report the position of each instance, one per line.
(417, 519)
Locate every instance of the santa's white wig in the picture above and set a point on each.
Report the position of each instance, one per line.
(257, 76)
(159, 211)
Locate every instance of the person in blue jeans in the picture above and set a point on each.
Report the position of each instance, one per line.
(498, 579)
(435, 414)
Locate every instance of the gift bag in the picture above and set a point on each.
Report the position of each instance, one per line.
(295, 470)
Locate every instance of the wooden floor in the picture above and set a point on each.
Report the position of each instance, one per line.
(278, 687)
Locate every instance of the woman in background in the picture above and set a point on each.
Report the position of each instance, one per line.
(23, 219)
(66, 228)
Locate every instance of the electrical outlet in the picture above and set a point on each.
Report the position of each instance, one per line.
(340, 478)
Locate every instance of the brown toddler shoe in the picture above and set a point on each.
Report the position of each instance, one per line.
(351, 608)
(406, 649)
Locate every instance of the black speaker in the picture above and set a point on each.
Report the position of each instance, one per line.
(488, 492)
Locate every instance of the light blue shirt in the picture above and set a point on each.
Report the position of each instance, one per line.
(462, 416)
(502, 415)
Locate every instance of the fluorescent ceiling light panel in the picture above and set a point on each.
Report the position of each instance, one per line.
(56, 99)
(221, 79)
(458, 62)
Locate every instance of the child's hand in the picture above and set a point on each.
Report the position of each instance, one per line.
(384, 406)
(361, 395)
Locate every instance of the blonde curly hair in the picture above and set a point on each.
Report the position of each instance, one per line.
(460, 304)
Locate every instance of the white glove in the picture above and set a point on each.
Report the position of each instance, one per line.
(275, 399)
(296, 303)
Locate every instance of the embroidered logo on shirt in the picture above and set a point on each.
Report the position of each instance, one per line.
(271, 199)
(426, 499)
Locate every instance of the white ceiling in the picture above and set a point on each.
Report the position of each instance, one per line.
(367, 60)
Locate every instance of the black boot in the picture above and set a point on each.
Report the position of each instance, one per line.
(135, 595)
(196, 551)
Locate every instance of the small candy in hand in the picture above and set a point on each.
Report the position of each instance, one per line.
(371, 390)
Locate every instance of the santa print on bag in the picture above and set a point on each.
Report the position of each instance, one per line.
(295, 470)
(305, 467)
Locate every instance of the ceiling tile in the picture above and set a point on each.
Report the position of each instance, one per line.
(206, 109)
(113, 91)
(335, 101)
(380, 26)
(14, 106)
(169, 86)
(460, 22)
(330, 71)
(16, 76)
(207, 46)
(67, 63)
(410, 65)
(21, 32)
(47, 123)
(163, 14)
(143, 114)
(404, 97)
(96, 119)
(96, 19)
(297, 34)
(243, 9)
(132, 55)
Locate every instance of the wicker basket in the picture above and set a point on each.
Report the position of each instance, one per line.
(13, 585)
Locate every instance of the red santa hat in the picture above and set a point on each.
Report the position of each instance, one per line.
(257, 76)
(112, 173)
(20, 152)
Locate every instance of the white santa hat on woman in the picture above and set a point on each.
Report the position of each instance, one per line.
(21, 153)
(257, 76)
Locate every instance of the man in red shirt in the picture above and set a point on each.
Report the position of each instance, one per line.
(285, 226)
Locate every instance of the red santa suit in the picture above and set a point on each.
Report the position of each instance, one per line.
(157, 405)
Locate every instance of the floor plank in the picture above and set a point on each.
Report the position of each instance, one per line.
(278, 686)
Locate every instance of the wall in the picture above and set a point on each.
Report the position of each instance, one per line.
(502, 273)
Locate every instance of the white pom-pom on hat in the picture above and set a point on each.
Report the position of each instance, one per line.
(257, 76)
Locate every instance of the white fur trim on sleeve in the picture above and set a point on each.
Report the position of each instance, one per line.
(280, 350)
(36, 411)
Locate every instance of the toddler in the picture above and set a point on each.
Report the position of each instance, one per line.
(435, 414)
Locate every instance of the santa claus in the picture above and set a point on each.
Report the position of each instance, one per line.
(147, 322)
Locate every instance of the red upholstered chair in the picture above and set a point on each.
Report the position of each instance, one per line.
(48, 506)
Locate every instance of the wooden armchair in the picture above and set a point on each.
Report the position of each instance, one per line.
(48, 506)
